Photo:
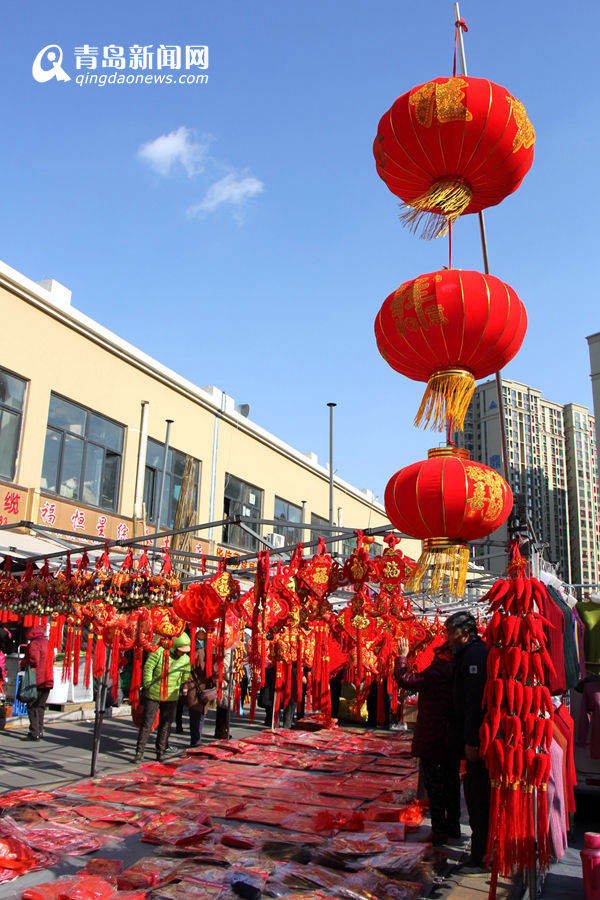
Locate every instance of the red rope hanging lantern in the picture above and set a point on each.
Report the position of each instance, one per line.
(453, 146)
(446, 501)
(450, 328)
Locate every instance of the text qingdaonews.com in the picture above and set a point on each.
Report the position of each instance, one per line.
(103, 79)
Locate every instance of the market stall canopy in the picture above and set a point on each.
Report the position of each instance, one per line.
(18, 545)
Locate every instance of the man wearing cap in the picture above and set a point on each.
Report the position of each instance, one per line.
(468, 683)
(152, 677)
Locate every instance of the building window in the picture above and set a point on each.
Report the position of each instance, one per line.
(288, 512)
(12, 395)
(82, 455)
(241, 499)
(318, 522)
(180, 494)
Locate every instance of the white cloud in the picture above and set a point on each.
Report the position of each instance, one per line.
(233, 190)
(176, 148)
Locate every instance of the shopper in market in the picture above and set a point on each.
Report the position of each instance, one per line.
(36, 655)
(197, 694)
(152, 676)
(439, 765)
(468, 684)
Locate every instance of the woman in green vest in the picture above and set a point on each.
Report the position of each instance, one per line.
(161, 699)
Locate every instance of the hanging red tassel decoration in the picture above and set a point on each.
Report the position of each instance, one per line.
(253, 695)
(543, 838)
(192, 645)
(277, 696)
(68, 653)
(76, 652)
(136, 678)
(54, 641)
(114, 664)
(99, 661)
(287, 683)
(209, 654)
(89, 653)
(164, 676)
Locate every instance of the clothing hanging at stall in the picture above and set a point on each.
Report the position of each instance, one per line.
(588, 727)
(556, 803)
(590, 616)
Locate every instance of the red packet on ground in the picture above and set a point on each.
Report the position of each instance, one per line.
(88, 887)
(62, 839)
(50, 890)
(146, 872)
(25, 795)
(211, 805)
(106, 868)
(179, 831)
(266, 814)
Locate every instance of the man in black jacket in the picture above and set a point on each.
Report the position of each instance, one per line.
(468, 685)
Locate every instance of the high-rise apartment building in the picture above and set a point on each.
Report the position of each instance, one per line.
(582, 491)
(594, 348)
(552, 471)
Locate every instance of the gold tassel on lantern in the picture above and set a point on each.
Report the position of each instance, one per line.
(447, 396)
(437, 208)
(441, 567)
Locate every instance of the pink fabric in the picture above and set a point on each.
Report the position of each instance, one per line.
(590, 713)
(556, 803)
(564, 722)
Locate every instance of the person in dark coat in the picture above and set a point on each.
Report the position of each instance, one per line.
(201, 683)
(36, 653)
(439, 766)
(468, 684)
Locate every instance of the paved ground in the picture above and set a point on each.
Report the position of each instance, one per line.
(65, 753)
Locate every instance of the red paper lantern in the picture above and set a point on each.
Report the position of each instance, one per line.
(446, 500)
(449, 328)
(453, 146)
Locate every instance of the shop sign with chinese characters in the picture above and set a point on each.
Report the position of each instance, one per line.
(13, 504)
(58, 514)
(228, 554)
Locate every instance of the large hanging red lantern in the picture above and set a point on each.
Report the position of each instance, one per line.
(446, 501)
(453, 146)
(450, 328)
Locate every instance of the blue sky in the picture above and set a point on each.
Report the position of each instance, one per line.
(237, 230)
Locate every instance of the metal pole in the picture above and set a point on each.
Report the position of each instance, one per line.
(461, 44)
(141, 462)
(230, 693)
(331, 407)
(161, 492)
(303, 520)
(486, 269)
(100, 711)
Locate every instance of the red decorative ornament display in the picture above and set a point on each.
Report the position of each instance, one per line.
(517, 730)
(453, 146)
(446, 501)
(450, 328)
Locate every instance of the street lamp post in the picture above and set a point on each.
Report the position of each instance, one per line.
(331, 407)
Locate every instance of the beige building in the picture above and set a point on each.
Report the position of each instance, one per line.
(552, 472)
(83, 431)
